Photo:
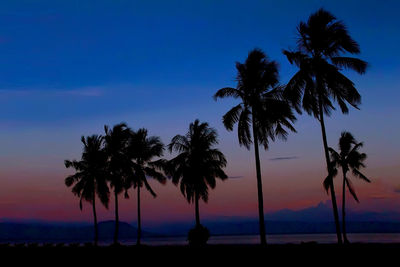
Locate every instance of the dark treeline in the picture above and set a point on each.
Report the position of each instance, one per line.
(122, 159)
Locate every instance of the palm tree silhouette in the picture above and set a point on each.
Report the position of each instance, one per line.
(262, 107)
(89, 179)
(198, 163)
(320, 47)
(349, 158)
(142, 150)
(116, 140)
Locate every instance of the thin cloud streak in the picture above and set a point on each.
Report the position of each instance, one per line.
(378, 197)
(236, 177)
(84, 91)
(284, 158)
(397, 189)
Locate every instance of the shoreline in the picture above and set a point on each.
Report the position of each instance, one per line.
(235, 239)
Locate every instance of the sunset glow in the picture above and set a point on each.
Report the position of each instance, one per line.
(68, 70)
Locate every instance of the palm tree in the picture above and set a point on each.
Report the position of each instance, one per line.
(90, 177)
(320, 57)
(116, 140)
(197, 165)
(349, 158)
(142, 150)
(262, 108)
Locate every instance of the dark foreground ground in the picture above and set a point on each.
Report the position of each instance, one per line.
(213, 255)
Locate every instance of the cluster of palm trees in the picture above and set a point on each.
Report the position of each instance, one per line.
(123, 158)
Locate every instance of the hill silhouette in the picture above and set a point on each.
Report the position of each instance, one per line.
(47, 232)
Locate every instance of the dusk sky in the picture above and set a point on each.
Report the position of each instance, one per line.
(67, 68)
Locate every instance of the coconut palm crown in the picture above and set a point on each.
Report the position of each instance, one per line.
(197, 164)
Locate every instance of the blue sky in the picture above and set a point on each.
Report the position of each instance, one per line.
(120, 56)
(69, 67)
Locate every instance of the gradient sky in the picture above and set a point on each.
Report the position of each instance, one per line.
(69, 67)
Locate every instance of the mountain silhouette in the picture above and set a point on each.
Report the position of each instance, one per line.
(319, 213)
(315, 219)
(322, 213)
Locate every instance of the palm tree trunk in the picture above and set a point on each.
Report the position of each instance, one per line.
(332, 189)
(139, 222)
(346, 241)
(96, 229)
(116, 219)
(263, 239)
(197, 210)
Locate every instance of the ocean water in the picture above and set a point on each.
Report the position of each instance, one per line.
(274, 239)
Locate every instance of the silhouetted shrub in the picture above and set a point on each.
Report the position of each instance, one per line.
(198, 236)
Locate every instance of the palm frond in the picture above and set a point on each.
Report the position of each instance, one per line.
(244, 135)
(356, 64)
(232, 117)
(148, 187)
(227, 92)
(351, 190)
(358, 174)
(178, 143)
(327, 183)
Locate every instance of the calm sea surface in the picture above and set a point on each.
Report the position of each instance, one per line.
(275, 239)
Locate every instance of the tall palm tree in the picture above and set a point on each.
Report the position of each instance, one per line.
(142, 149)
(89, 179)
(197, 164)
(349, 158)
(116, 141)
(262, 110)
(321, 55)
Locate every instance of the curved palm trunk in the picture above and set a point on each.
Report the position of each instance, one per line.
(197, 210)
(263, 239)
(116, 219)
(331, 185)
(96, 228)
(343, 209)
(139, 223)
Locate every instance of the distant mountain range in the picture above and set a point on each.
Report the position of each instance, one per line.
(317, 219)
(323, 213)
